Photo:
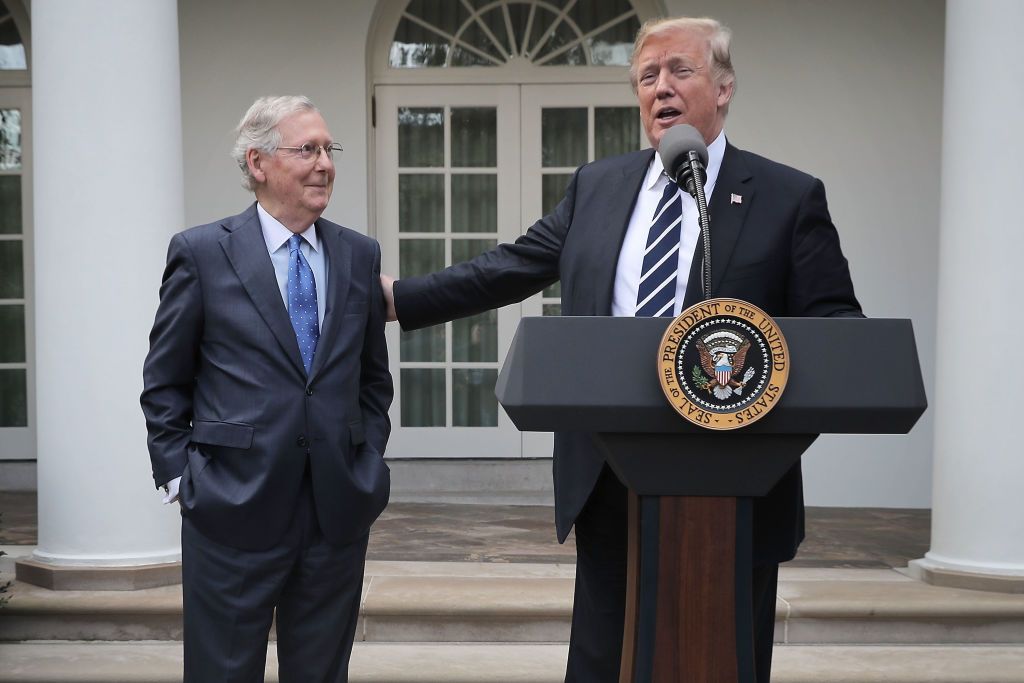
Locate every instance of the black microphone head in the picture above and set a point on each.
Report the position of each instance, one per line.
(676, 144)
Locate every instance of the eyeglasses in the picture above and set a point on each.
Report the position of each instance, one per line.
(310, 151)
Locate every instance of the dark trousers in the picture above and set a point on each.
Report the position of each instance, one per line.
(599, 604)
(230, 597)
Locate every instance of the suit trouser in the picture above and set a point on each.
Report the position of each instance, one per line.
(599, 604)
(230, 597)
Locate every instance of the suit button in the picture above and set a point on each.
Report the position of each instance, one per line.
(302, 442)
(309, 392)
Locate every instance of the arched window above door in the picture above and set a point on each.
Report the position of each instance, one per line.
(491, 33)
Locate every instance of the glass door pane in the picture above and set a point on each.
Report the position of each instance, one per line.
(447, 186)
(564, 127)
(16, 372)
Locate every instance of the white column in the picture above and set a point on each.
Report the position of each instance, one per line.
(108, 194)
(978, 502)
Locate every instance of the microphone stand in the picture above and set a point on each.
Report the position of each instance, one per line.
(693, 176)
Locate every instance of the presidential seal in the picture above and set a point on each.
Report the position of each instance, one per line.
(723, 364)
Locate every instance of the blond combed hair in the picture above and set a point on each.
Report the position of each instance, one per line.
(719, 41)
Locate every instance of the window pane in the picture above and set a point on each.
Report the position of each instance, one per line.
(473, 400)
(542, 21)
(12, 51)
(464, 57)
(474, 203)
(13, 399)
(421, 202)
(475, 136)
(475, 36)
(444, 14)
(553, 189)
(475, 339)
(422, 397)
(563, 35)
(415, 46)
(614, 46)
(563, 136)
(552, 309)
(420, 137)
(10, 139)
(589, 14)
(616, 131)
(11, 272)
(519, 13)
(10, 205)
(12, 334)
(463, 250)
(419, 257)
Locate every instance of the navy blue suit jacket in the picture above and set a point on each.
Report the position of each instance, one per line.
(776, 248)
(227, 401)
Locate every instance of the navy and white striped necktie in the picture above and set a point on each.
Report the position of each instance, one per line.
(656, 295)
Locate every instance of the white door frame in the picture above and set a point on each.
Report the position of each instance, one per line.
(19, 443)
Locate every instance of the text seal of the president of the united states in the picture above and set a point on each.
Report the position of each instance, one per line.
(723, 363)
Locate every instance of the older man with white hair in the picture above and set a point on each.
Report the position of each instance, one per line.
(266, 397)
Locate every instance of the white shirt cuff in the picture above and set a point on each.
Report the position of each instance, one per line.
(172, 490)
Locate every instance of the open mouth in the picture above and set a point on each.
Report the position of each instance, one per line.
(668, 114)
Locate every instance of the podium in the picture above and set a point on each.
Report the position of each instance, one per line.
(688, 603)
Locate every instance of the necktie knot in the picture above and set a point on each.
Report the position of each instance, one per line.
(294, 243)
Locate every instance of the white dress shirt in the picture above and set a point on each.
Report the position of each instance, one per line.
(631, 256)
(276, 237)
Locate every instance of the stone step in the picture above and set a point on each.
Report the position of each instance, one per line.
(467, 602)
(159, 662)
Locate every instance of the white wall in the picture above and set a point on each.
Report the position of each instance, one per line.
(852, 92)
(848, 91)
(232, 53)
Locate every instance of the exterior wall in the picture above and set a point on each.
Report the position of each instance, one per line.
(851, 92)
(232, 53)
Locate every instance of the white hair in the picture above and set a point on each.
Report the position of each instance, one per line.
(258, 129)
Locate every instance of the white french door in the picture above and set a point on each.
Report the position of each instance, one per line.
(460, 169)
(17, 400)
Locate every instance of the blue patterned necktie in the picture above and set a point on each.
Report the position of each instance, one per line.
(302, 307)
(656, 294)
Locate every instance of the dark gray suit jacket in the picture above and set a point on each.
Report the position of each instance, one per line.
(776, 247)
(227, 401)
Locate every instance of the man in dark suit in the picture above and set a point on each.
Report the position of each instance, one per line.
(773, 244)
(266, 397)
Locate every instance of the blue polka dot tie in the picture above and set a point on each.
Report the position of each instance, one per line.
(302, 307)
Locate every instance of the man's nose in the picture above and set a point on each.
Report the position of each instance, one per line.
(663, 86)
(323, 162)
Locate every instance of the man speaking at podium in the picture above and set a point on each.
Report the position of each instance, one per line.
(773, 245)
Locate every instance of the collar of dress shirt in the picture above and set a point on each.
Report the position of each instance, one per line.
(276, 235)
(716, 150)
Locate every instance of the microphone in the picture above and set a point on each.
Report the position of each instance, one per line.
(685, 156)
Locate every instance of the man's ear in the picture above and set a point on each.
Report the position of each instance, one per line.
(254, 160)
(725, 92)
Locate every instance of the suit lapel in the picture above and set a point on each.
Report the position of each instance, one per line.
(247, 251)
(338, 254)
(727, 221)
(615, 213)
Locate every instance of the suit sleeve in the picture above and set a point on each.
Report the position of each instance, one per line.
(504, 275)
(170, 368)
(820, 284)
(375, 385)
